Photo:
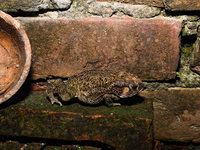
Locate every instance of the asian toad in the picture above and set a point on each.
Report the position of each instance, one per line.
(94, 86)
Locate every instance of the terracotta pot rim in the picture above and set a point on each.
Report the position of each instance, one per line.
(27, 50)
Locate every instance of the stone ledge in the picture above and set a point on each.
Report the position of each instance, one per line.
(30, 5)
(158, 3)
(106, 9)
(176, 118)
(27, 143)
(63, 47)
(129, 125)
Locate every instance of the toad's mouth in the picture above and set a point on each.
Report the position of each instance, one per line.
(126, 90)
(140, 87)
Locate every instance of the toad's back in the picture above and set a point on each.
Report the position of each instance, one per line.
(98, 81)
(93, 78)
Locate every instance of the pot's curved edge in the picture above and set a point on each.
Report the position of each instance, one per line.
(27, 49)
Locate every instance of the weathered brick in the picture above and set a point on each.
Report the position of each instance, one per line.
(195, 57)
(30, 5)
(161, 145)
(184, 5)
(158, 3)
(176, 114)
(63, 47)
(30, 144)
(118, 127)
(10, 145)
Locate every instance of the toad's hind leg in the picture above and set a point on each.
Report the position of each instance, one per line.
(62, 91)
(109, 100)
(91, 100)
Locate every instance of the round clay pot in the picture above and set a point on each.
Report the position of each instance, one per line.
(15, 56)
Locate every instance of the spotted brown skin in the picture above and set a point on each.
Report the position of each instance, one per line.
(94, 86)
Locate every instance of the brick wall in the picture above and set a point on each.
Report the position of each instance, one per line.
(157, 39)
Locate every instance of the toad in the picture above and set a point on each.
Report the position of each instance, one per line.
(94, 86)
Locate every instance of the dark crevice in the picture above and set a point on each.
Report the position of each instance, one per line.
(190, 39)
(177, 13)
(186, 48)
(21, 13)
(56, 142)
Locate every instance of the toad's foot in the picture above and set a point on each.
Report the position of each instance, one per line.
(108, 100)
(55, 101)
(116, 104)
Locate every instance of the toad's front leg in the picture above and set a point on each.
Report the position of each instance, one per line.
(51, 88)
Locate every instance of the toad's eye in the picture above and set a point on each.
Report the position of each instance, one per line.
(134, 87)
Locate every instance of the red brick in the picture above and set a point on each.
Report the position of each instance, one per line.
(158, 3)
(63, 47)
(176, 114)
(184, 5)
